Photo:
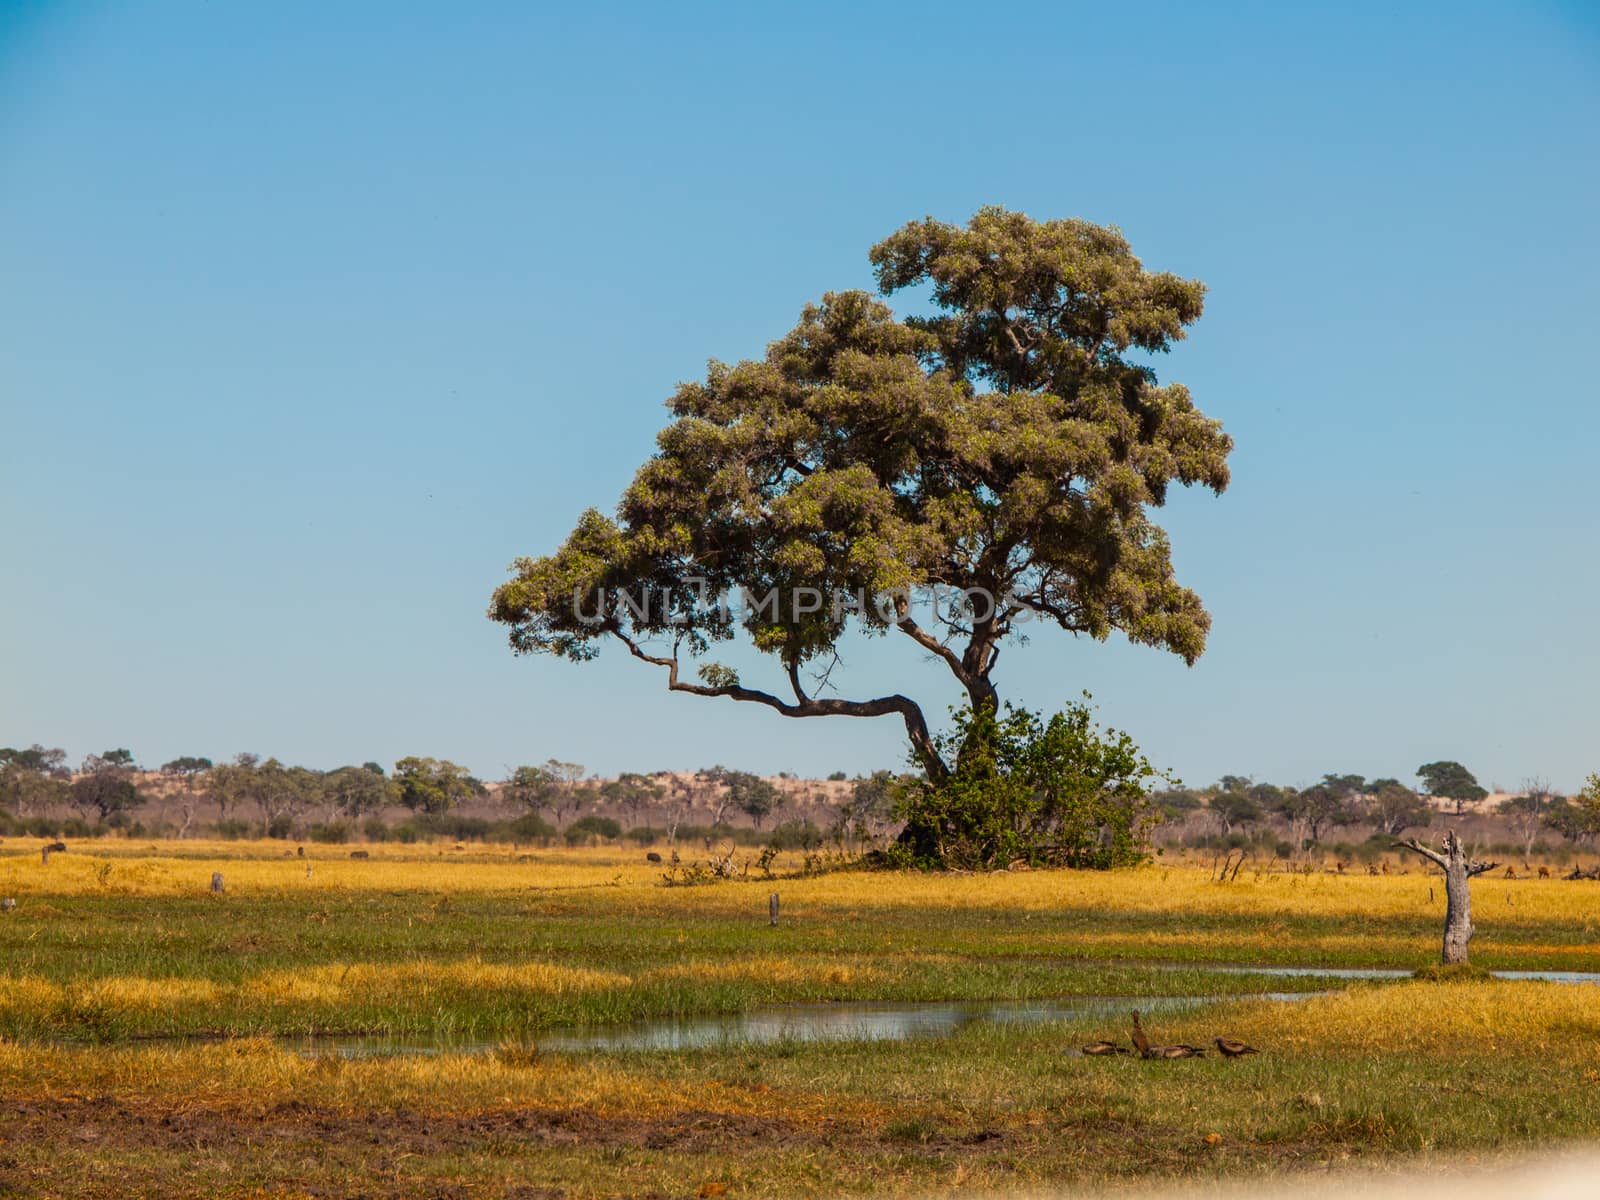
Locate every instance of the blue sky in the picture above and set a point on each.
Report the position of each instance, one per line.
(315, 316)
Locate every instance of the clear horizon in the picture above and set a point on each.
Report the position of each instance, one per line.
(316, 319)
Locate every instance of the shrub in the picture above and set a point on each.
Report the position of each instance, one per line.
(449, 825)
(646, 835)
(336, 832)
(281, 826)
(530, 827)
(231, 830)
(374, 830)
(795, 835)
(592, 828)
(1061, 792)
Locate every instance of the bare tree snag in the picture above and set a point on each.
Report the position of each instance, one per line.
(772, 907)
(216, 881)
(1458, 870)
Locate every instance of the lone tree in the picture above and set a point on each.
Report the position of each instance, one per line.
(105, 785)
(1007, 450)
(1451, 781)
(1458, 869)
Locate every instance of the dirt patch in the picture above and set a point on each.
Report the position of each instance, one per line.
(117, 1124)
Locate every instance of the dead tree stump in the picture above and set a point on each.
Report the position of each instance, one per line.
(1458, 871)
(772, 907)
(216, 881)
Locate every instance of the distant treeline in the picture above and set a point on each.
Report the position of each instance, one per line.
(40, 795)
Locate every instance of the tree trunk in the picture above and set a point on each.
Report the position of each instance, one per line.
(1457, 909)
(1458, 871)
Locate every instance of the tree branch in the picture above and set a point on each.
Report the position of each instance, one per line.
(909, 711)
(907, 625)
(1432, 856)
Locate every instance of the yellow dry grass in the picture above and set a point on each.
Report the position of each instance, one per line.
(254, 868)
(1460, 1020)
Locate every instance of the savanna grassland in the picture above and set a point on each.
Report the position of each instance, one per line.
(152, 1034)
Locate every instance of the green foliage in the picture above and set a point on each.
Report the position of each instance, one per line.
(1451, 781)
(1174, 803)
(1234, 806)
(551, 785)
(752, 795)
(592, 828)
(1394, 808)
(35, 758)
(795, 835)
(434, 785)
(1012, 444)
(187, 767)
(331, 832)
(870, 804)
(1062, 792)
(530, 827)
(355, 791)
(1320, 807)
(631, 792)
(1575, 820)
(24, 787)
(106, 792)
(280, 793)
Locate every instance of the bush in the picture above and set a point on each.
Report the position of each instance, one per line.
(741, 835)
(530, 827)
(1060, 792)
(646, 835)
(231, 830)
(281, 826)
(334, 832)
(796, 835)
(592, 828)
(75, 827)
(449, 825)
(374, 830)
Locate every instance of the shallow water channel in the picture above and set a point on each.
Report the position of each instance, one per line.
(871, 1021)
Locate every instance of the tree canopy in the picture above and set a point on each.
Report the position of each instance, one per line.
(1450, 781)
(1007, 448)
(433, 785)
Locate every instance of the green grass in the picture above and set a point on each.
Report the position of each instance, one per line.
(489, 949)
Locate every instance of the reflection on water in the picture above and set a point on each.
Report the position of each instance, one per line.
(867, 1021)
(870, 1021)
(1386, 973)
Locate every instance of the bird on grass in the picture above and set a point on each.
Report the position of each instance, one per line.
(1098, 1048)
(1141, 1043)
(1233, 1048)
(1178, 1051)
